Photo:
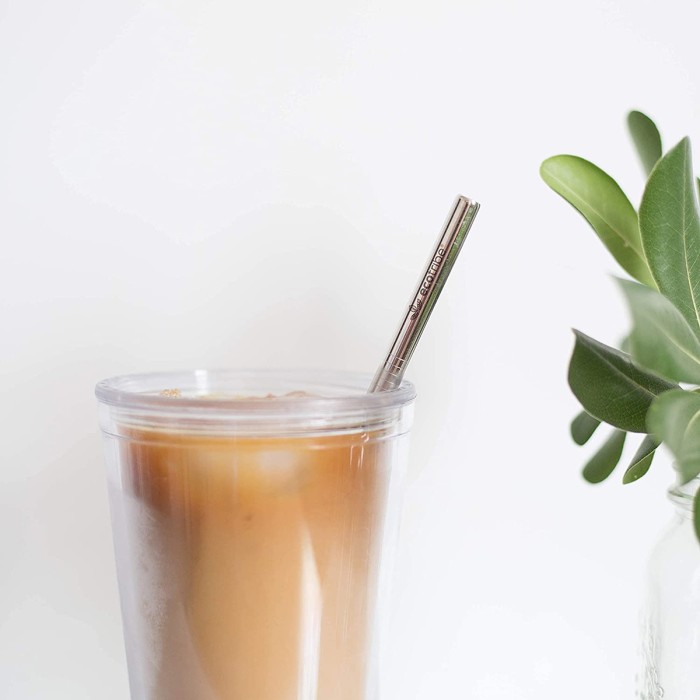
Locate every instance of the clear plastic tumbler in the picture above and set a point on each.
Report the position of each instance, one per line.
(254, 518)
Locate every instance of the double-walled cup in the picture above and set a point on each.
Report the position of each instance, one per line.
(254, 517)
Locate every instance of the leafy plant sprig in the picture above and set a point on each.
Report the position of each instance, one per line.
(637, 389)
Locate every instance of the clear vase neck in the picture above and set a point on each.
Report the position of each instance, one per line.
(682, 495)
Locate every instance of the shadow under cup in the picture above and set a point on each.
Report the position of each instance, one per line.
(254, 519)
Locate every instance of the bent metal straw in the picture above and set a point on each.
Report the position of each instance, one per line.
(432, 281)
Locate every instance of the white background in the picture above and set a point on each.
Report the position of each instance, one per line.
(208, 183)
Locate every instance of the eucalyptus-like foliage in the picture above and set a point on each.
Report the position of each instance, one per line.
(669, 222)
(601, 201)
(638, 389)
(674, 418)
(642, 460)
(646, 138)
(583, 427)
(610, 386)
(661, 339)
(602, 464)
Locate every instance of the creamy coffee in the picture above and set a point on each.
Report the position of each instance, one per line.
(256, 563)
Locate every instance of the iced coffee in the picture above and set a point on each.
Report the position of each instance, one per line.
(252, 535)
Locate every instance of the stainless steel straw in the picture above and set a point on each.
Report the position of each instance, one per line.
(432, 281)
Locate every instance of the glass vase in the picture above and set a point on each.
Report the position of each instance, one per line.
(671, 623)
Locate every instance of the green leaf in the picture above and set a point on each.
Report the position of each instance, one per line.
(604, 205)
(583, 427)
(670, 228)
(696, 514)
(603, 462)
(661, 339)
(674, 418)
(646, 138)
(642, 460)
(610, 387)
(625, 344)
